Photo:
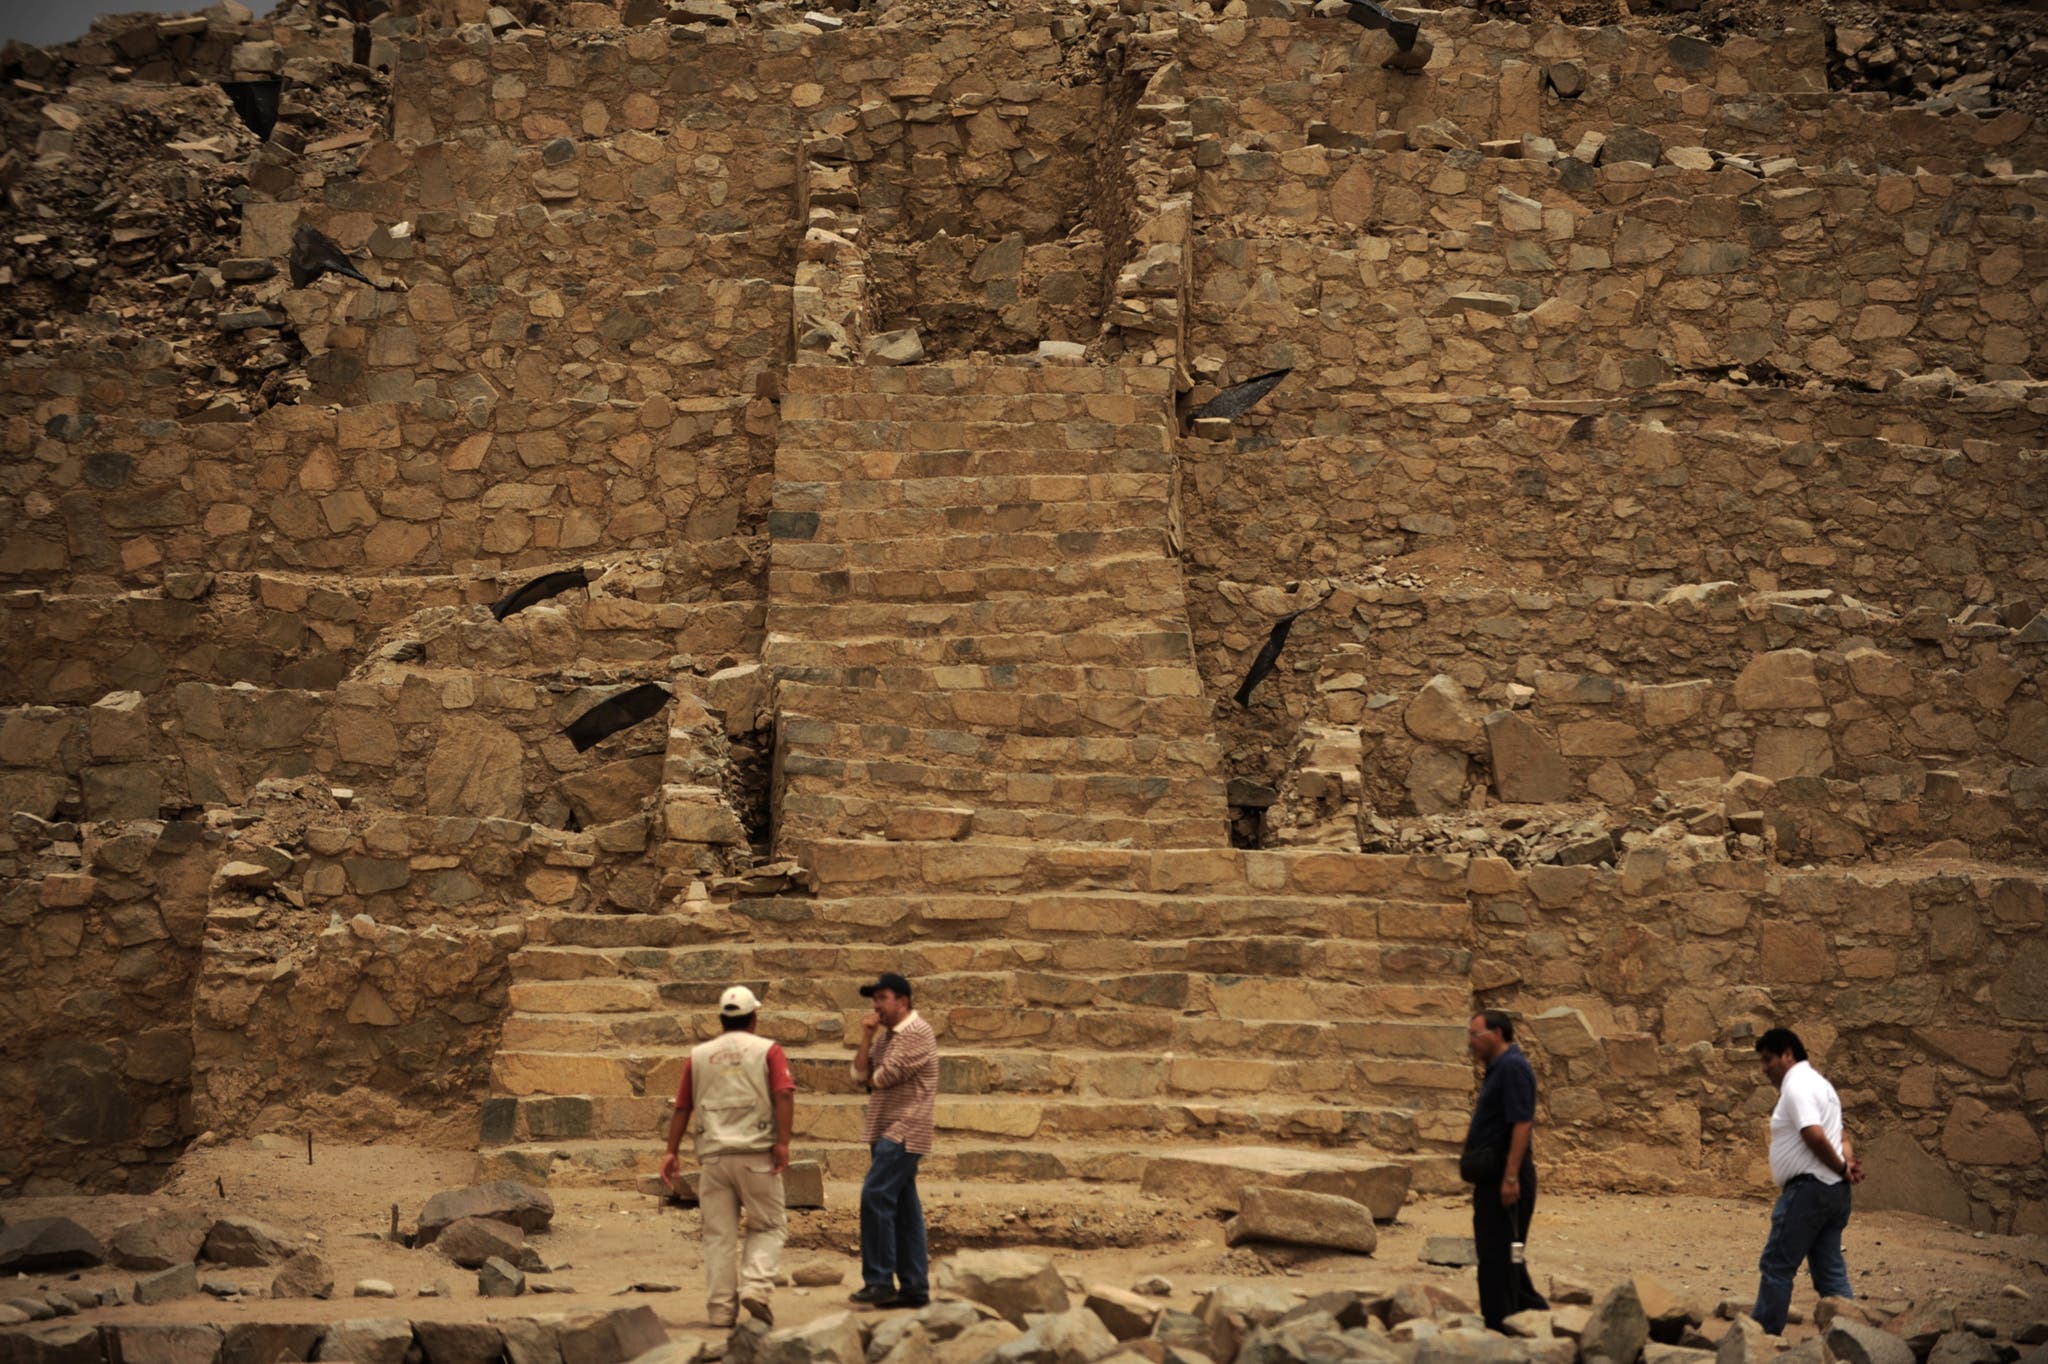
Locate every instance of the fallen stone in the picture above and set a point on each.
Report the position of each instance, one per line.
(1922, 1324)
(1127, 1315)
(1216, 1179)
(166, 1344)
(469, 1241)
(1297, 1217)
(1963, 1347)
(244, 1244)
(1530, 1325)
(525, 1207)
(894, 348)
(1616, 1330)
(38, 1245)
(818, 1274)
(1075, 1336)
(1459, 1252)
(179, 1281)
(304, 1275)
(1631, 144)
(373, 1288)
(1424, 1302)
(498, 1279)
(1157, 1286)
(1856, 1342)
(1011, 1282)
(160, 1242)
(1231, 1312)
(1527, 768)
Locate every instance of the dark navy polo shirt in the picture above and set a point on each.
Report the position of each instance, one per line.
(1506, 1096)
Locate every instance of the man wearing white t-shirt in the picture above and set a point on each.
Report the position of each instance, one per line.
(1814, 1165)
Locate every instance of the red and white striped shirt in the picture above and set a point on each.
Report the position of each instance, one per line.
(903, 1085)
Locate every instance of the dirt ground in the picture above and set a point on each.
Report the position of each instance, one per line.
(603, 1243)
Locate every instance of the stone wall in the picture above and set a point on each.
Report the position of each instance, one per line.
(1918, 991)
(100, 935)
(1484, 274)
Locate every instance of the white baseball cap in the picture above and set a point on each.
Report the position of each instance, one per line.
(738, 1002)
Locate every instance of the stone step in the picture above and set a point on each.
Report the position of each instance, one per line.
(817, 975)
(1029, 409)
(1439, 1041)
(1105, 438)
(847, 524)
(1152, 793)
(810, 816)
(1129, 647)
(987, 552)
(1079, 615)
(1418, 981)
(574, 1163)
(1150, 581)
(837, 1118)
(1173, 681)
(977, 377)
(1012, 473)
(1027, 712)
(1066, 755)
(871, 868)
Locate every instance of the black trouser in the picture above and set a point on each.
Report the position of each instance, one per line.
(1504, 1286)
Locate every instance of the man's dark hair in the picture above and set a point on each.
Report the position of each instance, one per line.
(1498, 1020)
(1778, 1041)
(733, 1023)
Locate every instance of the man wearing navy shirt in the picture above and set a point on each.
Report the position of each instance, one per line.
(1501, 1168)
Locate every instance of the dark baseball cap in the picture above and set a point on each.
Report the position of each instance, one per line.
(890, 981)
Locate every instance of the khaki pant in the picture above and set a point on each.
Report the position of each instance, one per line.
(726, 1184)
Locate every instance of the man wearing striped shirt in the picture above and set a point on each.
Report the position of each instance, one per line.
(898, 1061)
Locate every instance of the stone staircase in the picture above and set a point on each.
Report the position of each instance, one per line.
(976, 616)
(1096, 1008)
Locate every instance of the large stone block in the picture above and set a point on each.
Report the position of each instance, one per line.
(1617, 1328)
(155, 1344)
(1903, 1176)
(1217, 1179)
(1297, 1217)
(1978, 1134)
(1781, 680)
(1527, 768)
(366, 1340)
(522, 1205)
(611, 1337)
(40, 1245)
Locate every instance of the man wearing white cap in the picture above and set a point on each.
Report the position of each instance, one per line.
(741, 1091)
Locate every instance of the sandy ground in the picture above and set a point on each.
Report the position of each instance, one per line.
(604, 1242)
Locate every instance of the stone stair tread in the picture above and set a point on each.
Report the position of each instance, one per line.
(813, 478)
(808, 815)
(968, 583)
(986, 550)
(1070, 612)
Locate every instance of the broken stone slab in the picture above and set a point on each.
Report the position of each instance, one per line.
(1216, 1179)
(1855, 1342)
(1301, 1218)
(1230, 1312)
(40, 1244)
(1127, 1315)
(166, 1344)
(506, 1200)
(499, 1279)
(1013, 1283)
(460, 1342)
(1459, 1252)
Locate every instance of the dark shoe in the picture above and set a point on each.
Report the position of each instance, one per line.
(759, 1310)
(869, 1296)
(902, 1302)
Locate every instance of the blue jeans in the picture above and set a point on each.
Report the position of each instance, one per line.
(892, 1223)
(1805, 1225)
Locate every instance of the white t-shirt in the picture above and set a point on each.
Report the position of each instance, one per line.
(1805, 1100)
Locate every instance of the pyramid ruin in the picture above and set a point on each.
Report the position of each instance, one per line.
(1657, 493)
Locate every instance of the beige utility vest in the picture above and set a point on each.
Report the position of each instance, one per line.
(729, 1086)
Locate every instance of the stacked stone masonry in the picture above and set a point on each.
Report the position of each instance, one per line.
(1659, 472)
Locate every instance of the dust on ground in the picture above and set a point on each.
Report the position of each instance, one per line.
(604, 1242)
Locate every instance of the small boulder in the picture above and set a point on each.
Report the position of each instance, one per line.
(244, 1244)
(39, 1245)
(1458, 1252)
(304, 1275)
(818, 1274)
(1855, 1342)
(179, 1281)
(460, 1342)
(374, 1288)
(506, 1200)
(1127, 1315)
(1075, 1336)
(366, 1340)
(498, 1279)
(469, 1241)
(1231, 1312)
(160, 1242)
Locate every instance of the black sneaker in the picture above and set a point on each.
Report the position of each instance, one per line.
(759, 1310)
(870, 1295)
(898, 1302)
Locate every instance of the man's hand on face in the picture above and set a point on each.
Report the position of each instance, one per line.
(871, 1022)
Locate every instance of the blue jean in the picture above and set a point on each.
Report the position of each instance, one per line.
(1805, 1225)
(892, 1223)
